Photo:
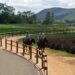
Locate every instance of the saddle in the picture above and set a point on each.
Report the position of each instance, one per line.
(27, 41)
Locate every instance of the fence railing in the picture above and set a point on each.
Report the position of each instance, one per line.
(29, 53)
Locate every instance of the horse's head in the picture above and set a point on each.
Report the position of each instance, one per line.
(42, 43)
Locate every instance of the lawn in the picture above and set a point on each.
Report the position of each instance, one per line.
(59, 52)
(33, 28)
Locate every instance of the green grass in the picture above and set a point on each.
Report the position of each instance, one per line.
(57, 51)
(32, 28)
(60, 52)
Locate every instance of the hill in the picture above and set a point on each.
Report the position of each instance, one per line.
(60, 13)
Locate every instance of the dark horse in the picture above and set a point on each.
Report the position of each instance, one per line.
(28, 43)
(42, 44)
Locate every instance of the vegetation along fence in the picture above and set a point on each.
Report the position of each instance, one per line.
(30, 53)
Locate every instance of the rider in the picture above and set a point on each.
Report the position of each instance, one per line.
(41, 36)
(41, 43)
(27, 37)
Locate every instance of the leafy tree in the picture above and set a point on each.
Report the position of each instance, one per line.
(52, 18)
(49, 18)
(69, 21)
(7, 15)
(33, 18)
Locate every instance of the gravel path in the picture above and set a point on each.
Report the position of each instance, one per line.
(11, 64)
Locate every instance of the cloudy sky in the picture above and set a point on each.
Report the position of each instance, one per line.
(37, 5)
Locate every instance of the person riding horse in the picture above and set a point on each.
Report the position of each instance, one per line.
(26, 38)
(28, 41)
(42, 42)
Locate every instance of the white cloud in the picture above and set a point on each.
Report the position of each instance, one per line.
(28, 3)
(67, 3)
(36, 5)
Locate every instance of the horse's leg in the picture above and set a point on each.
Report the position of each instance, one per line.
(29, 48)
(40, 51)
(26, 49)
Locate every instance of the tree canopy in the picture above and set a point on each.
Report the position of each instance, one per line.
(49, 18)
(7, 15)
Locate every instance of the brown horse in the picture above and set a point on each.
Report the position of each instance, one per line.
(28, 43)
(42, 43)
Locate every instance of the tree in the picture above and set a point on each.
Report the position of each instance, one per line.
(6, 13)
(49, 18)
(33, 18)
(52, 18)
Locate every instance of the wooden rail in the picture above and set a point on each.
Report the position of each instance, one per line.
(0, 42)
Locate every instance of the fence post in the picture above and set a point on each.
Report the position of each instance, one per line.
(42, 60)
(30, 51)
(36, 56)
(45, 65)
(16, 47)
(5, 43)
(1, 41)
(23, 49)
(11, 45)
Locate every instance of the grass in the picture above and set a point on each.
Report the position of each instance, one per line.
(60, 52)
(52, 51)
(33, 28)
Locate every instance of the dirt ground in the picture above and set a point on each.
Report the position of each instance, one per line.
(57, 64)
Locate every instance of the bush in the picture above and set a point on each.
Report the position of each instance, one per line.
(66, 44)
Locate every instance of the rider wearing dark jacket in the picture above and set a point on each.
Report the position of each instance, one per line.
(27, 38)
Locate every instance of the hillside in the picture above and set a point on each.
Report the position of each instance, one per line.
(60, 13)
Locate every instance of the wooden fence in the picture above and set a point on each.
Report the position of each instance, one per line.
(29, 53)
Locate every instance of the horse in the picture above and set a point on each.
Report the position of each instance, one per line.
(42, 43)
(28, 43)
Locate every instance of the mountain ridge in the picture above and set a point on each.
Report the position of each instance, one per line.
(59, 13)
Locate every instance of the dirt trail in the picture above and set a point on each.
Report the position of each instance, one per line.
(58, 65)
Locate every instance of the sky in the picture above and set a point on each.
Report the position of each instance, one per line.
(38, 5)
